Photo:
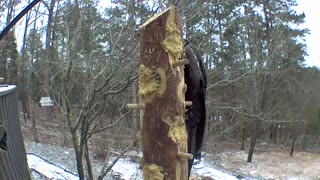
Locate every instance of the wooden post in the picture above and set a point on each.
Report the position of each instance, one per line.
(162, 91)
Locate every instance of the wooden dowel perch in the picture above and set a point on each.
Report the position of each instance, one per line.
(188, 103)
(181, 62)
(136, 106)
(185, 155)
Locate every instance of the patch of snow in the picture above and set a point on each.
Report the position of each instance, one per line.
(293, 178)
(56, 161)
(134, 153)
(204, 169)
(127, 169)
(47, 169)
(130, 170)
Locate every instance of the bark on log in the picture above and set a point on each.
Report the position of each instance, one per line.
(162, 91)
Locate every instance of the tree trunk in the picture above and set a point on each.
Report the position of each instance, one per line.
(304, 142)
(64, 130)
(135, 113)
(79, 153)
(34, 125)
(293, 144)
(253, 139)
(88, 162)
(243, 136)
(10, 6)
(48, 56)
(280, 133)
(275, 133)
(161, 89)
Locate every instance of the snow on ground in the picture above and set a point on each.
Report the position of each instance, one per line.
(273, 164)
(127, 169)
(266, 165)
(59, 163)
(130, 170)
(61, 156)
(206, 170)
(47, 169)
(124, 168)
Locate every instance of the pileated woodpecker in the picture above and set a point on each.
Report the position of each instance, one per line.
(196, 81)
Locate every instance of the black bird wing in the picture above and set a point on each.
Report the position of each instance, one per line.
(196, 81)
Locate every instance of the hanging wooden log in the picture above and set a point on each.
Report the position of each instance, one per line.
(162, 91)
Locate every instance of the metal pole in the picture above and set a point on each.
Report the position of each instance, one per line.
(17, 18)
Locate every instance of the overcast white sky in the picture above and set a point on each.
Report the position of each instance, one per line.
(311, 9)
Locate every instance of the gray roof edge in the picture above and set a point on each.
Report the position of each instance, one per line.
(7, 89)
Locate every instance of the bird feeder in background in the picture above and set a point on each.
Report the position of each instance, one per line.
(46, 102)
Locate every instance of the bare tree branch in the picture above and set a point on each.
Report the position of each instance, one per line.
(105, 169)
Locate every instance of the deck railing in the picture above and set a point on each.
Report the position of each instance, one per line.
(13, 160)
